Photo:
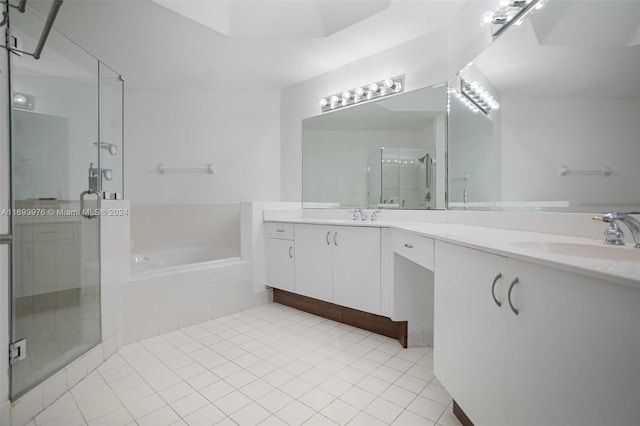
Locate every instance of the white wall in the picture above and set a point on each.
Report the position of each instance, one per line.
(578, 133)
(212, 225)
(239, 132)
(427, 60)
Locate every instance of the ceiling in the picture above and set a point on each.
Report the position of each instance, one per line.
(255, 18)
(241, 44)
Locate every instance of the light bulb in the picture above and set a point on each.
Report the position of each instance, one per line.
(500, 18)
(324, 102)
(389, 84)
(486, 17)
(346, 95)
(360, 92)
(334, 100)
(19, 99)
(374, 88)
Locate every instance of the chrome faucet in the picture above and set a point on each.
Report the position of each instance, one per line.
(359, 214)
(374, 215)
(613, 234)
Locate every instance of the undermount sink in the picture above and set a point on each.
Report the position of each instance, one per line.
(583, 250)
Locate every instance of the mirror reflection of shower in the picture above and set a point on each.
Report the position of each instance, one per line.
(401, 178)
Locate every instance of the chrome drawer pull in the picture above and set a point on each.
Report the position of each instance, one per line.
(407, 245)
(328, 243)
(493, 291)
(334, 238)
(290, 255)
(513, 283)
(279, 230)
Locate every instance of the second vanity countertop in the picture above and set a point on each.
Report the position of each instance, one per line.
(620, 265)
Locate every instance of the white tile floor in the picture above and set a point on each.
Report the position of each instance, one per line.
(270, 365)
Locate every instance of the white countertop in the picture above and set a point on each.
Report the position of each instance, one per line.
(623, 269)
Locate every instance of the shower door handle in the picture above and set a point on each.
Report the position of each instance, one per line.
(83, 212)
(6, 239)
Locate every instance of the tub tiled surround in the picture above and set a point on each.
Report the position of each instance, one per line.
(215, 225)
(153, 304)
(159, 303)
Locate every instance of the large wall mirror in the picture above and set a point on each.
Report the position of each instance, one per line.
(566, 135)
(378, 155)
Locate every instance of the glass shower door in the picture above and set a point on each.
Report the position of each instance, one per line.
(55, 252)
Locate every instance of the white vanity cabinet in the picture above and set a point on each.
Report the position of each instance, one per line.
(339, 264)
(280, 252)
(569, 356)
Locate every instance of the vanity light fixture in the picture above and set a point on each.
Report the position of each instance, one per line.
(510, 12)
(399, 161)
(388, 86)
(479, 96)
(463, 100)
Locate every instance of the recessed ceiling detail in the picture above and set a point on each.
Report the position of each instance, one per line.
(277, 19)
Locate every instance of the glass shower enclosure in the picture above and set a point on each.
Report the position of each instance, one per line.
(66, 149)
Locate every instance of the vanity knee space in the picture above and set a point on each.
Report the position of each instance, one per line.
(410, 280)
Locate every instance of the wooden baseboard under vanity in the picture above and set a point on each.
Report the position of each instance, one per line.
(460, 415)
(364, 320)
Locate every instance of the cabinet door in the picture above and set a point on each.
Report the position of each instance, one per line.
(469, 330)
(573, 350)
(356, 267)
(279, 264)
(313, 269)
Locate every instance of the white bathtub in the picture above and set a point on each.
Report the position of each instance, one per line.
(174, 288)
(166, 260)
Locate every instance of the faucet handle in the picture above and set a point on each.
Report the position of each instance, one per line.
(613, 235)
(374, 215)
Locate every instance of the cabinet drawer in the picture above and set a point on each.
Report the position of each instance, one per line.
(52, 231)
(414, 247)
(281, 231)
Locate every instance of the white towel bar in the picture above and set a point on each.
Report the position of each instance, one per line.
(209, 168)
